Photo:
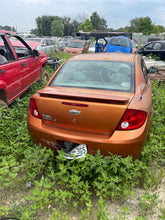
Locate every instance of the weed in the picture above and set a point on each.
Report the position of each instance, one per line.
(148, 203)
(162, 216)
(59, 185)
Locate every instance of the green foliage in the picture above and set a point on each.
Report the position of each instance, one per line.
(44, 24)
(162, 216)
(57, 28)
(52, 26)
(98, 23)
(102, 213)
(124, 214)
(8, 28)
(86, 26)
(145, 26)
(148, 203)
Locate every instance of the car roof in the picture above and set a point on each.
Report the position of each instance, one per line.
(124, 57)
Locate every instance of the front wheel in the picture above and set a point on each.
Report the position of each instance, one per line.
(44, 77)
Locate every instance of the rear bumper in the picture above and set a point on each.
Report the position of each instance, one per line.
(122, 143)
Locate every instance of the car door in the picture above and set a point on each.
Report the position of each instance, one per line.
(147, 49)
(30, 65)
(10, 71)
(158, 50)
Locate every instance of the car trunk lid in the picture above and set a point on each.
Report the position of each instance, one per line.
(84, 110)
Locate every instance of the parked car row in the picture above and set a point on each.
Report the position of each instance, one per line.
(49, 45)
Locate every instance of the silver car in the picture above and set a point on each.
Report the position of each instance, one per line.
(47, 45)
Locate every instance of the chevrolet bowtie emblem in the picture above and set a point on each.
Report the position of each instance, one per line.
(74, 112)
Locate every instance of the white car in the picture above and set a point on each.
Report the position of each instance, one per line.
(47, 45)
(92, 47)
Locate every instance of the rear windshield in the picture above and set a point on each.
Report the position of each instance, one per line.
(120, 42)
(104, 75)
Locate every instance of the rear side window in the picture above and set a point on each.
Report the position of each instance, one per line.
(157, 46)
(104, 75)
(144, 69)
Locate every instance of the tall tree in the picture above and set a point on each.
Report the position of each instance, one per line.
(66, 22)
(134, 24)
(9, 28)
(145, 25)
(44, 25)
(86, 26)
(98, 23)
(57, 28)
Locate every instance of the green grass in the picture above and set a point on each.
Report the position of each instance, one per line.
(58, 186)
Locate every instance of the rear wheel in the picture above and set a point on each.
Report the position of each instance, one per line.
(44, 76)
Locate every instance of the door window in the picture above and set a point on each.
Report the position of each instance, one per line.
(148, 47)
(157, 46)
(6, 54)
(21, 49)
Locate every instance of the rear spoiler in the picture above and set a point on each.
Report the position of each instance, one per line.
(84, 96)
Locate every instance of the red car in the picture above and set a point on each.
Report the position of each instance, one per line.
(98, 101)
(20, 66)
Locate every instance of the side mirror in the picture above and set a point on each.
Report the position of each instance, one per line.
(35, 53)
(153, 70)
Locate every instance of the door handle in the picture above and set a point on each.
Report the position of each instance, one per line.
(2, 71)
(23, 64)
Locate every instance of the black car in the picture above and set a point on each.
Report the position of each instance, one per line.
(155, 48)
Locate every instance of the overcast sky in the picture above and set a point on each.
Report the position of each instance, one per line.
(22, 13)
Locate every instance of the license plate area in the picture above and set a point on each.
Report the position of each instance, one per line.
(78, 152)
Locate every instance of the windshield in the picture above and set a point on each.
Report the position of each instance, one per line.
(105, 75)
(75, 44)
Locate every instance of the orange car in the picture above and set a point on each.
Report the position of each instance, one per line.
(77, 46)
(94, 102)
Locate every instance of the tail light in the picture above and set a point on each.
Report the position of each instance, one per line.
(34, 109)
(132, 119)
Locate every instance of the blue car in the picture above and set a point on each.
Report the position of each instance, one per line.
(119, 44)
(119, 41)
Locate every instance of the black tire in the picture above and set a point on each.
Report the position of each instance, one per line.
(44, 77)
